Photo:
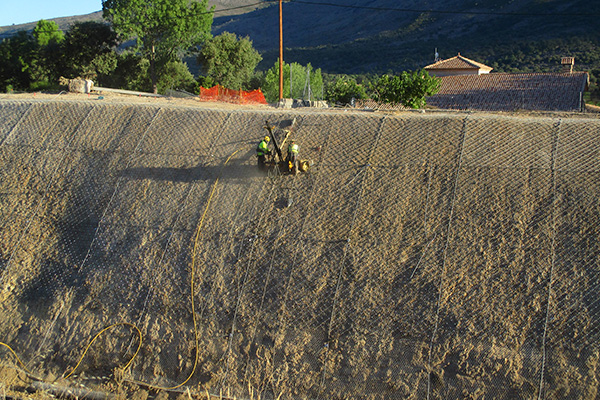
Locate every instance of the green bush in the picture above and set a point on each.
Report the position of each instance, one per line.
(343, 90)
(176, 75)
(229, 61)
(408, 89)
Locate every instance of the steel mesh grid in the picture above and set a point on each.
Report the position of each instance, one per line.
(27, 191)
(577, 150)
(436, 143)
(493, 142)
(108, 130)
(10, 119)
(247, 338)
(499, 207)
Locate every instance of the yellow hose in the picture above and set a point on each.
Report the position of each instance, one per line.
(98, 335)
(192, 286)
(86, 349)
(16, 357)
(139, 333)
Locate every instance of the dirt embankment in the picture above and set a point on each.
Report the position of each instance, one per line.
(424, 255)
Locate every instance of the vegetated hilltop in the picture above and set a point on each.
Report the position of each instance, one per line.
(424, 255)
(357, 36)
(223, 8)
(377, 36)
(62, 22)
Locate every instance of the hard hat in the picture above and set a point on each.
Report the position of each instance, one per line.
(267, 139)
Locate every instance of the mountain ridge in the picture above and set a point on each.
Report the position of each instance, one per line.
(379, 36)
(384, 36)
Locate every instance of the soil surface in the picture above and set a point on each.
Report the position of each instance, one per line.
(424, 254)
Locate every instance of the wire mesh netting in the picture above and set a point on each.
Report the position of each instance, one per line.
(440, 255)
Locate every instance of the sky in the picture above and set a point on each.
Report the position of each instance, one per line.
(23, 11)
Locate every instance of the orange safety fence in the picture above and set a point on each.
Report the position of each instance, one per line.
(219, 93)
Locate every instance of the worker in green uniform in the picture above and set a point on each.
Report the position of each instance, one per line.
(262, 151)
(293, 150)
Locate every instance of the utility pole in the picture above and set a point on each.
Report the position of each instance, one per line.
(280, 50)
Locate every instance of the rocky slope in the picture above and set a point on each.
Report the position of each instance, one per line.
(425, 255)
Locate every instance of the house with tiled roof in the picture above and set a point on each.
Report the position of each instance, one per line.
(468, 85)
(458, 65)
(511, 92)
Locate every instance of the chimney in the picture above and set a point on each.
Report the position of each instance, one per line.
(567, 64)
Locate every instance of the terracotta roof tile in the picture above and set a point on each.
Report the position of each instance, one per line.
(458, 62)
(508, 92)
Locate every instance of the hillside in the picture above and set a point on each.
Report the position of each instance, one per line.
(224, 8)
(63, 23)
(377, 36)
(357, 36)
(426, 255)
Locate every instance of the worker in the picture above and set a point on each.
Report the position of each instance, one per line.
(292, 156)
(262, 151)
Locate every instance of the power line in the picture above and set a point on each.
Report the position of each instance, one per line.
(520, 14)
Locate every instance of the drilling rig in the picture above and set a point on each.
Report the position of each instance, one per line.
(284, 164)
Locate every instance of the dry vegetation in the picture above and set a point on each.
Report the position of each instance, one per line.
(425, 255)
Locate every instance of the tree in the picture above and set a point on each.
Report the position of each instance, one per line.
(408, 89)
(89, 50)
(36, 61)
(45, 65)
(31, 61)
(177, 76)
(17, 54)
(163, 29)
(344, 90)
(131, 73)
(229, 61)
(306, 83)
(47, 32)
